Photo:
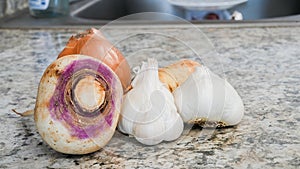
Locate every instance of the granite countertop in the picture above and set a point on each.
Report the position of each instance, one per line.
(261, 62)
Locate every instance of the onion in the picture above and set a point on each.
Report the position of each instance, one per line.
(78, 104)
(93, 43)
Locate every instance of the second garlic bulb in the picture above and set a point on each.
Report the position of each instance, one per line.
(204, 96)
(149, 112)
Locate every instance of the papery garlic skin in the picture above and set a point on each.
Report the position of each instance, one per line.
(175, 74)
(148, 110)
(206, 96)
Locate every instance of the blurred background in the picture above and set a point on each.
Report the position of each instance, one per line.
(83, 12)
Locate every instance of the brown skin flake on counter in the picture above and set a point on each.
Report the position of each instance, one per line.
(209, 124)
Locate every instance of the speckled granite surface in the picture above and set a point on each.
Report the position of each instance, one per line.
(262, 63)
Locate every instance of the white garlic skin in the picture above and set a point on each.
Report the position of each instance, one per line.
(204, 95)
(148, 111)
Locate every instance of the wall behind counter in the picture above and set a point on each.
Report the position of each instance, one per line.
(9, 7)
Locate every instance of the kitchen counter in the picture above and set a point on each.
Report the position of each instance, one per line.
(262, 62)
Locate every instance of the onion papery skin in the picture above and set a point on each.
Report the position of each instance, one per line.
(64, 124)
(93, 43)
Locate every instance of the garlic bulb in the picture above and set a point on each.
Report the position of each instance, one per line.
(148, 110)
(204, 96)
(78, 104)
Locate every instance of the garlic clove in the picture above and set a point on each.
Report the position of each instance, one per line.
(234, 105)
(204, 96)
(173, 126)
(68, 122)
(148, 111)
(150, 133)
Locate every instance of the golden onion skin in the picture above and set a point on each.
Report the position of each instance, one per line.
(65, 121)
(93, 43)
